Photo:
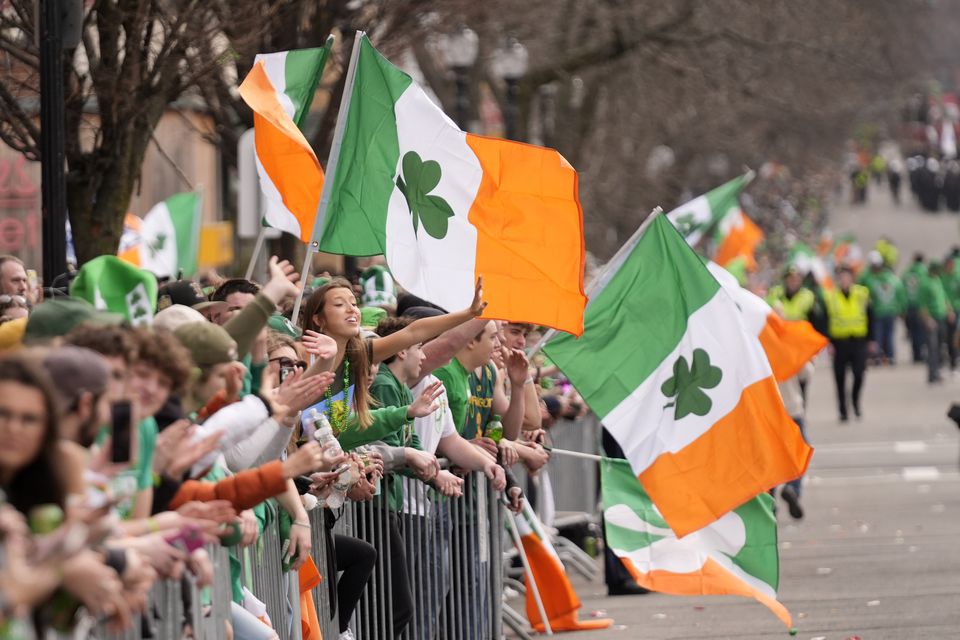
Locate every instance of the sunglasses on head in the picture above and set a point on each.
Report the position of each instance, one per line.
(286, 362)
(7, 299)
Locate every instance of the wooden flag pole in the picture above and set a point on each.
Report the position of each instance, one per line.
(608, 270)
(332, 161)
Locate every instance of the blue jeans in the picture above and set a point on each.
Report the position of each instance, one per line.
(886, 328)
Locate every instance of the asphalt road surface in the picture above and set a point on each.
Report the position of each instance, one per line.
(877, 556)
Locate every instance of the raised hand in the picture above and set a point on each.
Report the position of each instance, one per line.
(427, 403)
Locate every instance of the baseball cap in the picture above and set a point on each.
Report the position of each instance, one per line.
(281, 324)
(875, 259)
(208, 343)
(11, 333)
(55, 317)
(76, 370)
(173, 317)
(184, 292)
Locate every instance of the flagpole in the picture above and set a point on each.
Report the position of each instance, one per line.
(197, 225)
(608, 270)
(261, 237)
(332, 161)
(531, 581)
(575, 454)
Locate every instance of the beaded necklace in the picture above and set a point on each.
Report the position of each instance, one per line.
(338, 410)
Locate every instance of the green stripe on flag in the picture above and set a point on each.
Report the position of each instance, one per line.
(725, 197)
(184, 211)
(759, 556)
(367, 165)
(637, 320)
(302, 72)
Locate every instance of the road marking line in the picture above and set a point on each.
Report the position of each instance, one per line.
(918, 474)
(910, 446)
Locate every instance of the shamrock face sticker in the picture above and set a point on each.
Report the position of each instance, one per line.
(416, 181)
(687, 385)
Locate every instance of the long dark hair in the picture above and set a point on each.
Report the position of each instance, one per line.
(40, 481)
(356, 350)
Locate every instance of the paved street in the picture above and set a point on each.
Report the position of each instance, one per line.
(878, 555)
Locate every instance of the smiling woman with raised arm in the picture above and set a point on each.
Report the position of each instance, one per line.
(331, 322)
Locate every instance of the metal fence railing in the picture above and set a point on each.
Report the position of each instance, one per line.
(454, 569)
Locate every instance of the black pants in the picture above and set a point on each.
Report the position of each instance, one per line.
(355, 558)
(852, 353)
(918, 334)
(615, 574)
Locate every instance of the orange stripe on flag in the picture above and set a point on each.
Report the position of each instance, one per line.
(283, 150)
(741, 241)
(789, 344)
(712, 579)
(529, 225)
(754, 447)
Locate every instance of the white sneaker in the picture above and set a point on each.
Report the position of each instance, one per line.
(346, 635)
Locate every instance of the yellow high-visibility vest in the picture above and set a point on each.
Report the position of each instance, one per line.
(796, 308)
(847, 314)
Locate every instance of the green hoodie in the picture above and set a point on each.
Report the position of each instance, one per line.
(886, 292)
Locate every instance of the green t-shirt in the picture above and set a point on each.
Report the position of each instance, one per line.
(456, 381)
(470, 396)
(480, 403)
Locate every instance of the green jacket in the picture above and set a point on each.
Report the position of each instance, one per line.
(886, 293)
(913, 279)
(951, 287)
(390, 392)
(933, 298)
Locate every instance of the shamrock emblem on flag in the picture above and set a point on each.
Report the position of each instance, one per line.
(687, 385)
(685, 224)
(157, 245)
(417, 180)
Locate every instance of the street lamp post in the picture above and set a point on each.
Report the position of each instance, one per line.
(460, 53)
(510, 64)
(52, 153)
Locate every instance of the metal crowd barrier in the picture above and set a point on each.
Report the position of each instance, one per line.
(454, 551)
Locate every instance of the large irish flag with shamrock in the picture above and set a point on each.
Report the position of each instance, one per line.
(667, 364)
(736, 555)
(445, 206)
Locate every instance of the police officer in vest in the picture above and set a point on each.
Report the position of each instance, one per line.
(850, 329)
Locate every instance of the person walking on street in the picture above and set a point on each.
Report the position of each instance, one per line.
(888, 300)
(912, 280)
(850, 328)
(951, 288)
(935, 312)
(796, 302)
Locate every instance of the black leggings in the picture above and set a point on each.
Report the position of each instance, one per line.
(356, 559)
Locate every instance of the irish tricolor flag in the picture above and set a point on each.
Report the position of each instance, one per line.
(667, 364)
(737, 236)
(280, 89)
(698, 217)
(170, 236)
(736, 555)
(789, 344)
(445, 206)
